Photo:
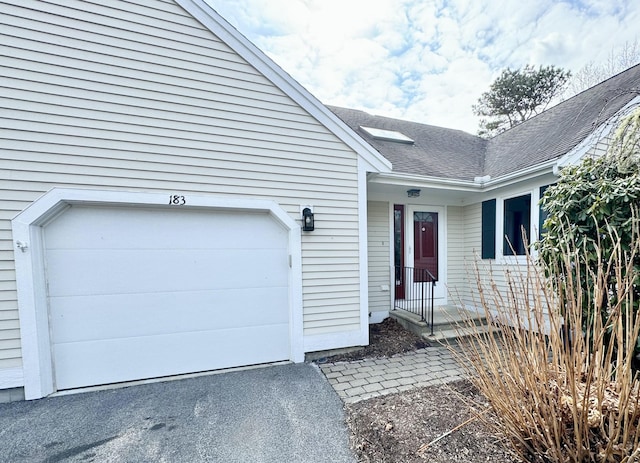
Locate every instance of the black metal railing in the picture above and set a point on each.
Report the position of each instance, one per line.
(414, 292)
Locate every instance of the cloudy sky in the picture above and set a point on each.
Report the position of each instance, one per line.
(426, 60)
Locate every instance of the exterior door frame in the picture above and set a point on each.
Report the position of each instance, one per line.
(440, 290)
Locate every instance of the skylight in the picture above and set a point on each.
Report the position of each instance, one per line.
(388, 135)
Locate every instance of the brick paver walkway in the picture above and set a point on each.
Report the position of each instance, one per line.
(364, 379)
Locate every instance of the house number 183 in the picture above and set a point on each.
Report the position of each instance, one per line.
(177, 200)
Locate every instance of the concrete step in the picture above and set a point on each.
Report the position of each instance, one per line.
(449, 322)
(454, 334)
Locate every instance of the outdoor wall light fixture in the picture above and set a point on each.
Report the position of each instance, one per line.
(413, 193)
(307, 220)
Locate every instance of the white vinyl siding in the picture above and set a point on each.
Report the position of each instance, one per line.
(488, 268)
(379, 259)
(497, 268)
(456, 274)
(140, 96)
(472, 250)
(600, 148)
(490, 271)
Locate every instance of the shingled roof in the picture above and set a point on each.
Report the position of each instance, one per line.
(454, 154)
(558, 130)
(436, 151)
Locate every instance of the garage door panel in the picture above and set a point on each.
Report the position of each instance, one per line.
(116, 316)
(173, 228)
(141, 293)
(134, 271)
(156, 356)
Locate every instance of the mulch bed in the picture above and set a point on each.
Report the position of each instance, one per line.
(385, 339)
(398, 427)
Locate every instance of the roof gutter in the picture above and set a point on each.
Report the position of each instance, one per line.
(481, 183)
(423, 181)
(520, 175)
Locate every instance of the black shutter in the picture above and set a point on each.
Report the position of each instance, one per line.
(489, 229)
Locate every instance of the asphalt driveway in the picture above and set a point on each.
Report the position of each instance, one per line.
(283, 413)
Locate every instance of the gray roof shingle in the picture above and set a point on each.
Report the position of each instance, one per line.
(561, 128)
(454, 154)
(437, 151)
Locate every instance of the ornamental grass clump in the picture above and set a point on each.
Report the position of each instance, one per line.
(560, 394)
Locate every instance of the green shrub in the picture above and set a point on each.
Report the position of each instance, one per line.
(590, 210)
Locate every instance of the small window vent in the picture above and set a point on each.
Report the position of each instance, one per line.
(387, 135)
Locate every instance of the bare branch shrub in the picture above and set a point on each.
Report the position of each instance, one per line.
(561, 394)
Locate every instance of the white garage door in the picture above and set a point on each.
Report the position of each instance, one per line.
(140, 293)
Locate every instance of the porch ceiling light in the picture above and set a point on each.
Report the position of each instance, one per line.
(413, 193)
(307, 220)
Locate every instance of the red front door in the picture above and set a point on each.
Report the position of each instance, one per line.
(425, 245)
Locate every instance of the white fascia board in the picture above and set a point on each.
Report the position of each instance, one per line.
(419, 181)
(521, 175)
(580, 150)
(208, 17)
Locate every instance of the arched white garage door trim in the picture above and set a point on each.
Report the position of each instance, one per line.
(31, 279)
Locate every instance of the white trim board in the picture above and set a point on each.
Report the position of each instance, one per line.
(30, 275)
(363, 251)
(331, 341)
(11, 377)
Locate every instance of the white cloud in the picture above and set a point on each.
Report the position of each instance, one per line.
(426, 60)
